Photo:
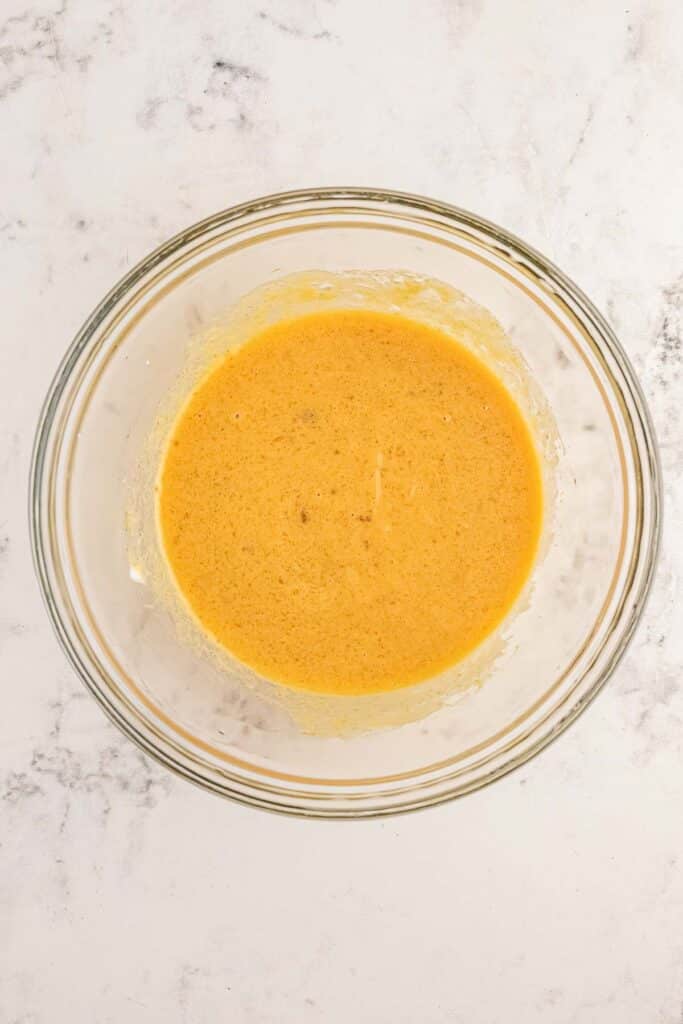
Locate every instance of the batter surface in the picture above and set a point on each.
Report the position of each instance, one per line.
(350, 502)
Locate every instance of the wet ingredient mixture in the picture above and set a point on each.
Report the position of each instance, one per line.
(350, 502)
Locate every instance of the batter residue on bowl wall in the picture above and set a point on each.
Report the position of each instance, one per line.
(351, 490)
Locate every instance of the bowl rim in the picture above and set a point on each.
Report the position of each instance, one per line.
(343, 805)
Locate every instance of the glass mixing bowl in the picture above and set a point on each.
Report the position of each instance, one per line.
(201, 721)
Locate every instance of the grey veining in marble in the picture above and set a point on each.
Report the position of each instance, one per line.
(555, 896)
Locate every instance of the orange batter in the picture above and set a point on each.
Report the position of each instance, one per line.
(350, 502)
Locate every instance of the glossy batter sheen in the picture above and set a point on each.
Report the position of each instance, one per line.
(350, 502)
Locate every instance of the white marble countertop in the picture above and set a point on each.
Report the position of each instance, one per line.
(554, 896)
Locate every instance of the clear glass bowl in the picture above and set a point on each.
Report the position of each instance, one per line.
(588, 590)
